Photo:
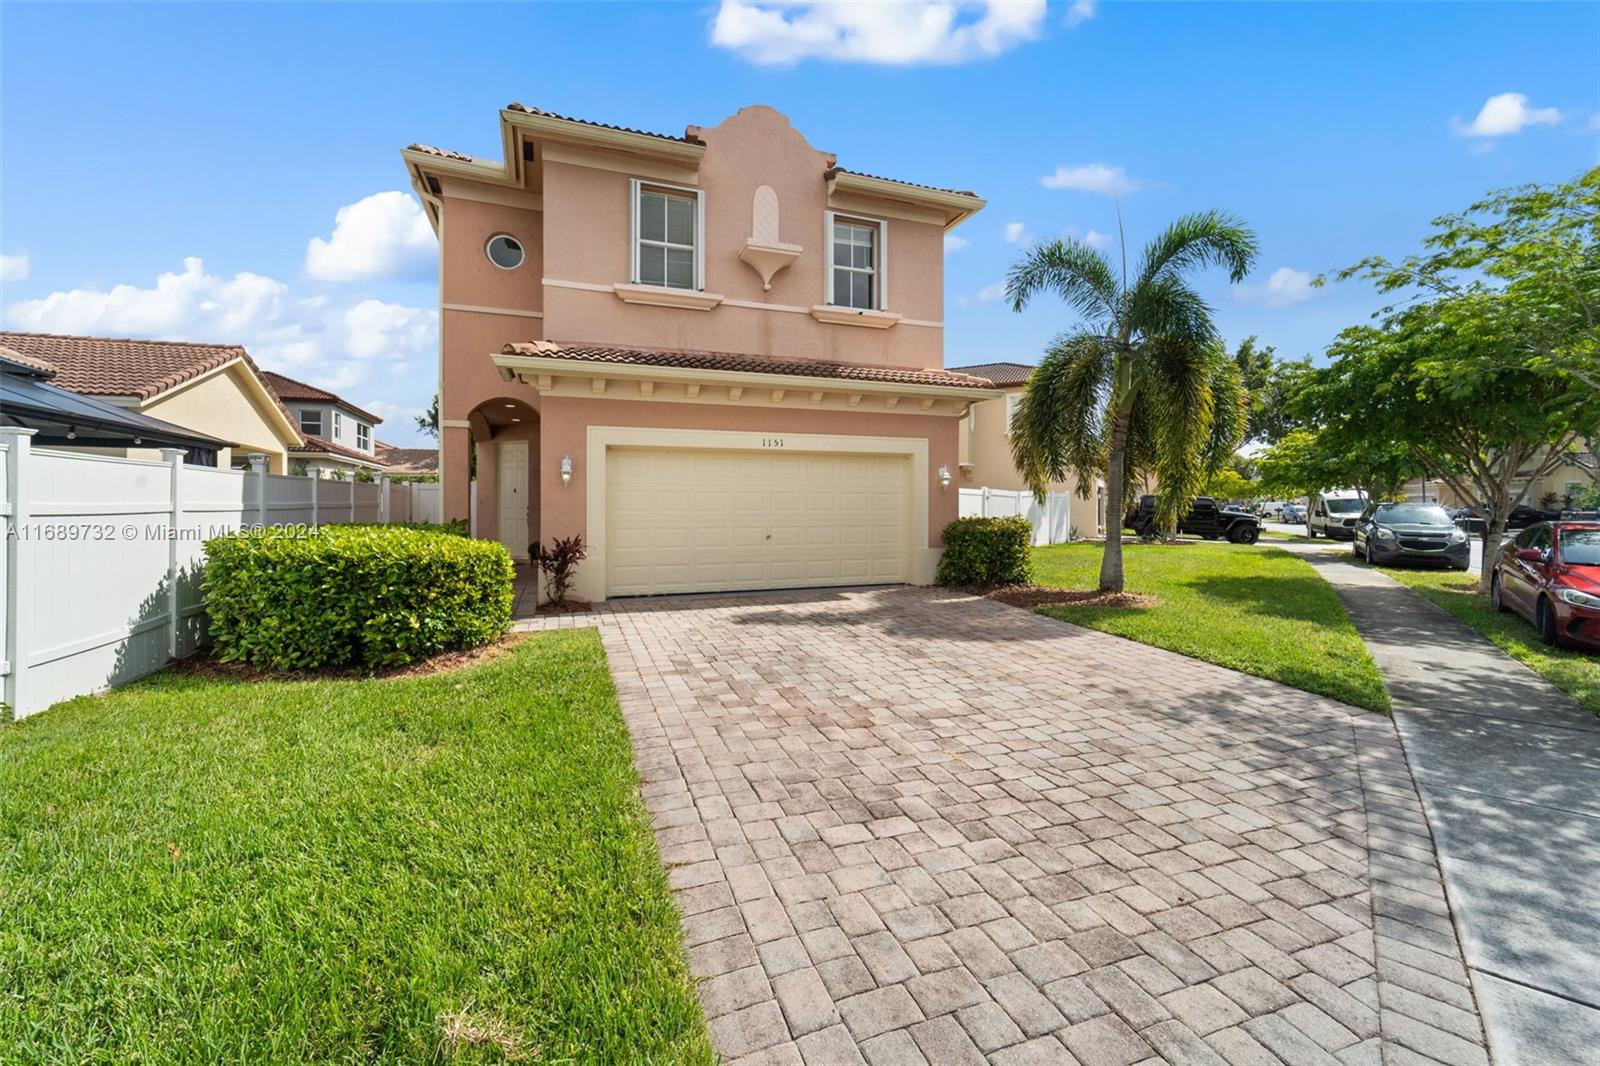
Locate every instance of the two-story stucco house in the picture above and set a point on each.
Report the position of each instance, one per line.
(338, 434)
(717, 356)
(985, 447)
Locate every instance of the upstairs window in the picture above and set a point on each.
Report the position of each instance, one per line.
(668, 231)
(338, 425)
(363, 436)
(1013, 401)
(311, 423)
(855, 263)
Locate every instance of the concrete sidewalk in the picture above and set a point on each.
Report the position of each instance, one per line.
(1509, 772)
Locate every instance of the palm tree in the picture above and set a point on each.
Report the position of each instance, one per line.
(1143, 385)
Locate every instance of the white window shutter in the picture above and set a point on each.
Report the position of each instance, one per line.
(633, 231)
(883, 265)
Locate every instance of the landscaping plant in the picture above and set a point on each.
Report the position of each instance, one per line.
(1143, 386)
(558, 564)
(987, 551)
(353, 595)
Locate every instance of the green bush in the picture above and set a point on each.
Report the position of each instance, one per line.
(353, 595)
(987, 551)
(458, 527)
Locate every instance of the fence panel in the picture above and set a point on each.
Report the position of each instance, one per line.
(103, 557)
(1050, 520)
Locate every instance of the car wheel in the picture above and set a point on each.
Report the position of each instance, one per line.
(1243, 535)
(1494, 595)
(1547, 623)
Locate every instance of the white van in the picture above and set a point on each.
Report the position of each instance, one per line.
(1334, 514)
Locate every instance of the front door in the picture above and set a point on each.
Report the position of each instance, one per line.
(512, 502)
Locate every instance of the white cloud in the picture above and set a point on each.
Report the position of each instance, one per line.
(1096, 239)
(329, 343)
(1285, 286)
(15, 267)
(1101, 178)
(1017, 233)
(991, 293)
(1506, 114)
(892, 32)
(1081, 11)
(384, 235)
(953, 244)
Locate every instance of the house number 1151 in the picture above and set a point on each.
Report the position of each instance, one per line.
(772, 442)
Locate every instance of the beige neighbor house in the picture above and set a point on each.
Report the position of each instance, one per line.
(338, 434)
(212, 389)
(986, 447)
(717, 356)
(1554, 491)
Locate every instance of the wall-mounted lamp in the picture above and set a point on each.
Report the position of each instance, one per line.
(944, 477)
(566, 469)
(72, 432)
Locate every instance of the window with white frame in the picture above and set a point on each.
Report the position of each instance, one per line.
(855, 263)
(363, 436)
(668, 230)
(1013, 401)
(311, 423)
(338, 425)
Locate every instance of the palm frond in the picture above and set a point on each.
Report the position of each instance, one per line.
(1080, 275)
(1230, 412)
(1057, 427)
(1167, 307)
(1206, 238)
(1176, 392)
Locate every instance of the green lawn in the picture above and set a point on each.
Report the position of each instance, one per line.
(1574, 672)
(436, 869)
(1251, 608)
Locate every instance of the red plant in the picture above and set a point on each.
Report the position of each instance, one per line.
(558, 563)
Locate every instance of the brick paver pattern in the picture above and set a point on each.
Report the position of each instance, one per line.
(906, 825)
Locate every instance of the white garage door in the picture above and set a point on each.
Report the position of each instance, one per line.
(706, 521)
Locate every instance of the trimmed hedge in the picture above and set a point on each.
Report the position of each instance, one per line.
(353, 595)
(987, 551)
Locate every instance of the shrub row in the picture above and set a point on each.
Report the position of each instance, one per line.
(353, 595)
(987, 551)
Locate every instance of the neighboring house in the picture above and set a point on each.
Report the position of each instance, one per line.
(62, 419)
(408, 461)
(213, 390)
(986, 447)
(338, 434)
(1554, 491)
(716, 356)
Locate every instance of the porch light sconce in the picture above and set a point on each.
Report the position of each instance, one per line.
(566, 469)
(944, 477)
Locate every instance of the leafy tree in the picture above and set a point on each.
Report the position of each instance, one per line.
(1268, 382)
(1229, 484)
(429, 422)
(1142, 386)
(1308, 461)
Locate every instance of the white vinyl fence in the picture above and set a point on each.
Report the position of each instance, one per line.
(1051, 520)
(103, 556)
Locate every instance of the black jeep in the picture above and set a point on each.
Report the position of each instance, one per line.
(1205, 519)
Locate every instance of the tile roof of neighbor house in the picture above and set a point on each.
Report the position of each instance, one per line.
(29, 361)
(409, 460)
(749, 364)
(322, 446)
(897, 181)
(685, 139)
(288, 388)
(1004, 375)
(117, 366)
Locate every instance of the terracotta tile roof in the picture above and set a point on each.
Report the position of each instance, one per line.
(514, 106)
(749, 364)
(321, 446)
(1004, 375)
(896, 181)
(443, 153)
(29, 361)
(409, 460)
(106, 366)
(288, 388)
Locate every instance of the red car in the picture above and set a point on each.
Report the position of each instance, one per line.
(1550, 574)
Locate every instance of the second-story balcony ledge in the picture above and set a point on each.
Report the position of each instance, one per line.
(852, 316)
(766, 258)
(661, 296)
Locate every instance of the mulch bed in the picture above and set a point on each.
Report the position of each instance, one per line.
(1029, 597)
(205, 666)
(572, 606)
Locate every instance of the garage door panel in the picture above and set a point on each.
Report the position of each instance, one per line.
(702, 521)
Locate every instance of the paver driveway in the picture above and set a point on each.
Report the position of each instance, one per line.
(906, 825)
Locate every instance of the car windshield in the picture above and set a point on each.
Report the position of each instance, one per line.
(1580, 547)
(1343, 506)
(1413, 514)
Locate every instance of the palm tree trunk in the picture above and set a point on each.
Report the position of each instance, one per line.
(1111, 558)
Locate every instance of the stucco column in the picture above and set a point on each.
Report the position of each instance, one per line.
(455, 477)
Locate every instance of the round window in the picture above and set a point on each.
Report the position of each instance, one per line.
(504, 252)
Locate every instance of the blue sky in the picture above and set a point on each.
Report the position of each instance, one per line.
(211, 143)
